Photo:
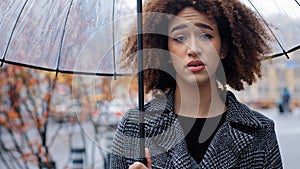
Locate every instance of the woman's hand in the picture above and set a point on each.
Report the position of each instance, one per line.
(139, 165)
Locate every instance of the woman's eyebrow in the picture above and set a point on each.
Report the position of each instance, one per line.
(200, 25)
(204, 26)
(182, 26)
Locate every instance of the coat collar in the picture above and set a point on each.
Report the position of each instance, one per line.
(236, 112)
(240, 113)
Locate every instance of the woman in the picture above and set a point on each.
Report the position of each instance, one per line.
(193, 49)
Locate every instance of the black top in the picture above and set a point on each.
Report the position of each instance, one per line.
(197, 139)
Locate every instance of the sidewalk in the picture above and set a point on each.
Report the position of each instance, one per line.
(287, 123)
(94, 150)
(287, 127)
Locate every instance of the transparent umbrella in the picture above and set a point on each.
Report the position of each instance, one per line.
(84, 36)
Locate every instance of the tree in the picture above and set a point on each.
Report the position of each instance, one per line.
(31, 99)
(25, 96)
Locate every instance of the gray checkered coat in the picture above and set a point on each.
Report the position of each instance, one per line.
(246, 139)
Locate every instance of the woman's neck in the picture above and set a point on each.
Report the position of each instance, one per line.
(198, 101)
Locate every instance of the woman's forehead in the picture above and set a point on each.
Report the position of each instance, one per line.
(191, 17)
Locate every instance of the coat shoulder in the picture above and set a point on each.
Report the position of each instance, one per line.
(157, 112)
(263, 119)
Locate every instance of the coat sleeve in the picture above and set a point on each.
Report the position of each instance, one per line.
(125, 147)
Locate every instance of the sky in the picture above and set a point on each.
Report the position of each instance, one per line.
(268, 7)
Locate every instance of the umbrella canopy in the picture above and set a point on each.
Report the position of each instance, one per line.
(60, 35)
(282, 17)
(53, 35)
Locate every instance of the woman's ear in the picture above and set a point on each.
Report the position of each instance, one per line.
(222, 55)
(224, 51)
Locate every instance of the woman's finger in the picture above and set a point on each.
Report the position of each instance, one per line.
(148, 157)
(137, 165)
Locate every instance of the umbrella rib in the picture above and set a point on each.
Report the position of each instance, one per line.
(63, 37)
(289, 51)
(113, 38)
(280, 45)
(297, 2)
(294, 49)
(12, 32)
(62, 71)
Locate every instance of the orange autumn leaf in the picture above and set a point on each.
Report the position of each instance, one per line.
(32, 82)
(45, 115)
(2, 120)
(13, 115)
(48, 97)
(39, 123)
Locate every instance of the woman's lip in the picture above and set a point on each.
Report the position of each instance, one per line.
(195, 65)
(195, 62)
(196, 68)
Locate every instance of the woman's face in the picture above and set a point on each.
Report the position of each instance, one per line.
(194, 44)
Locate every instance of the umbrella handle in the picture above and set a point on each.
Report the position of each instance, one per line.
(142, 158)
(141, 82)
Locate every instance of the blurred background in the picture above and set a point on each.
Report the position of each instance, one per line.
(267, 96)
(66, 121)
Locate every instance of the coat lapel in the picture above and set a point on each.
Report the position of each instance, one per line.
(225, 148)
(229, 141)
(171, 137)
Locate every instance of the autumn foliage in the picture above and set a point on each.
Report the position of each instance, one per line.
(30, 98)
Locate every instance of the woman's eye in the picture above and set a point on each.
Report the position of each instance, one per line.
(205, 36)
(180, 38)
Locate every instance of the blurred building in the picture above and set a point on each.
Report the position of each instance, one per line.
(278, 73)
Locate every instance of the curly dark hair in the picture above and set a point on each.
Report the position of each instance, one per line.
(242, 32)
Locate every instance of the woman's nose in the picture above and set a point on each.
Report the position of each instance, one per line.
(194, 48)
